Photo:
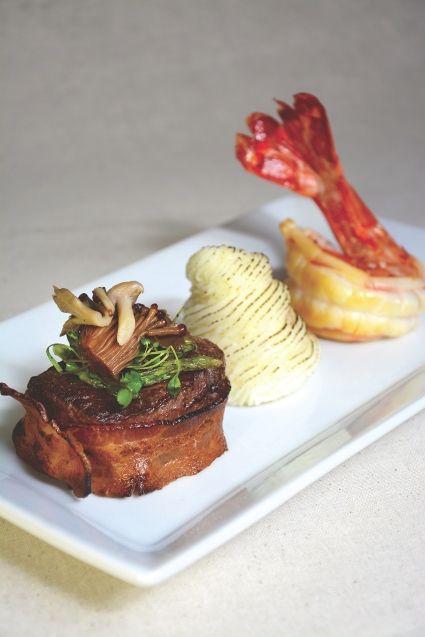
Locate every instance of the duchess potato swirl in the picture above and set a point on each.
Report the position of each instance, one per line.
(236, 303)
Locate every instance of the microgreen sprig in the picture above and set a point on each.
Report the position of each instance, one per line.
(174, 384)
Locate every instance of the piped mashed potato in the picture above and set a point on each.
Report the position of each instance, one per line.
(236, 303)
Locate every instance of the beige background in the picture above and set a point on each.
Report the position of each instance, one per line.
(117, 129)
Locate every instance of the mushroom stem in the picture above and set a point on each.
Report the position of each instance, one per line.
(101, 295)
(124, 295)
(126, 320)
(167, 330)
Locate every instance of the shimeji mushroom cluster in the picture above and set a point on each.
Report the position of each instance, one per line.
(100, 310)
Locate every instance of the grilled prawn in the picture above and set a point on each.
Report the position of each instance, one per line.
(374, 288)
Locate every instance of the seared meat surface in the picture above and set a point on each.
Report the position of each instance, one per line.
(73, 403)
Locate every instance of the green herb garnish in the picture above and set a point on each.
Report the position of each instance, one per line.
(124, 397)
(153, 364)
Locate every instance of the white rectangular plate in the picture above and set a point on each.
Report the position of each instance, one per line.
(359, 393)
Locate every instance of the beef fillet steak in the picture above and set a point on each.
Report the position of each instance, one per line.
(78, 434)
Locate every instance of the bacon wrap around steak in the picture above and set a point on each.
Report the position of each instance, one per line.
(78, 434)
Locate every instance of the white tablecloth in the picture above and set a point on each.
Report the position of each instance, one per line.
(118, 122)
